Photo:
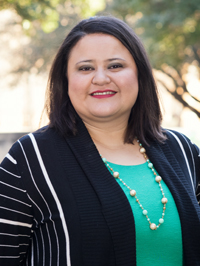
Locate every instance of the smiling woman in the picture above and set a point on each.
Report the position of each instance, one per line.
(103, 183)
(146, 108)
(108, 78)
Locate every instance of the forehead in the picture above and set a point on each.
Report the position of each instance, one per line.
(98, 44)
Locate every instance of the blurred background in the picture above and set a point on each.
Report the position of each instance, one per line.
(32, 31)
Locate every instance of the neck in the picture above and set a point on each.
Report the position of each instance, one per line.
(108, 135)
(109, 141)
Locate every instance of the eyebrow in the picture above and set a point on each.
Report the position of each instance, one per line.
(90, 60)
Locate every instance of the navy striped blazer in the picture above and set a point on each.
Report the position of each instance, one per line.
(59, 205)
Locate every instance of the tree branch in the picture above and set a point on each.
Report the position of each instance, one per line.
(180, 99)
(182, 83)
(196, 54)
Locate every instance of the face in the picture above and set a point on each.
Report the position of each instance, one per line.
(102, 78)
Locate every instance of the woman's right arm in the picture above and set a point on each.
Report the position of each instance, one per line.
(16, 217)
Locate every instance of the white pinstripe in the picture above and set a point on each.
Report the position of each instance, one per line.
(36, 240)
(32, 253)
(16, 211)
(192, 160)
(14, 235)
(5, 221)
(11, 158)
(50, 262)
(12, 186)
(10, 172)
(43, 246)
(15, 200)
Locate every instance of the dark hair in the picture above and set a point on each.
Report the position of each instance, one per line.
(145, 118)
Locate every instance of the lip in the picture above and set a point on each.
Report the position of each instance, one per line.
(103, 94)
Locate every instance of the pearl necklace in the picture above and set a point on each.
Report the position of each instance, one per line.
(133, 193)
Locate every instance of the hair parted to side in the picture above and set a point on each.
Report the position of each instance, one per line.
(145, 118)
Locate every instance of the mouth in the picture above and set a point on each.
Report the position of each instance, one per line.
(102, 93)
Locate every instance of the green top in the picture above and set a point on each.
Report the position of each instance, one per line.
(164, 245)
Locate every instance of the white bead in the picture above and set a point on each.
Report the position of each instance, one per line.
(153, 226)
(158, 178)
(132, 192)
(161, 220)
(145, 212)
(116, 174)
(164, 200)
(142, 150)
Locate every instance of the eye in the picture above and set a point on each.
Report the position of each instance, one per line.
(115, 66)
(85, 68)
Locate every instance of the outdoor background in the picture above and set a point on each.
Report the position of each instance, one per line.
(32, 31)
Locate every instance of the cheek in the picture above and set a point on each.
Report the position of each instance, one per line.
(129, 82)
(73, 86)
(79, 83)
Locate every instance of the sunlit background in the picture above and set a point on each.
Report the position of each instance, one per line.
(30, 34)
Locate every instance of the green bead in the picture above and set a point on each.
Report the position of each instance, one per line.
(150, 165)
(145, 212)
(104, 160)
(161, 221)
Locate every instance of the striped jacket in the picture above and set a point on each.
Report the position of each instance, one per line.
(59, 205)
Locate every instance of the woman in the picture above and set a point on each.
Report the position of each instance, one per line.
(103, 183)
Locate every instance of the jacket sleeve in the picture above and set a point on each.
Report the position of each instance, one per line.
(16, 217)
(196, 151)
(191, 154)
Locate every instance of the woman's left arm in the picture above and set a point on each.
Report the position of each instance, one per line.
(196, 152)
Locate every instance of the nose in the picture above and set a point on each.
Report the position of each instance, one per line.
(100, 77)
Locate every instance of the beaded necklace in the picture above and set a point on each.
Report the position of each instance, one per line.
(133, 193)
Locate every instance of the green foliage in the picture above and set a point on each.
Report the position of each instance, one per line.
(167, 28)
(46, 13)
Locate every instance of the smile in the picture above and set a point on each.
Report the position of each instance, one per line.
(103, 93)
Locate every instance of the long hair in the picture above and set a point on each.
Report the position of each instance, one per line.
(145, 117)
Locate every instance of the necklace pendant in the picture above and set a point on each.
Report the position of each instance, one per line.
(153, 226)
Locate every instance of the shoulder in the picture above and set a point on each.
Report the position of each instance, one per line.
(43, 139)
(185, 152)
(181, 142)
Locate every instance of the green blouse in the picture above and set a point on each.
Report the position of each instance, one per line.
(164, 245)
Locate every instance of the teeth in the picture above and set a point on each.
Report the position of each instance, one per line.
(103, 93)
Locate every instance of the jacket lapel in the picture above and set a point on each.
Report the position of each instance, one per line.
(169, 169)
(115, 206)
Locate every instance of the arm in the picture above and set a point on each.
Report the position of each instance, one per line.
(191, 154)
(196, 151)
(15, 214)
